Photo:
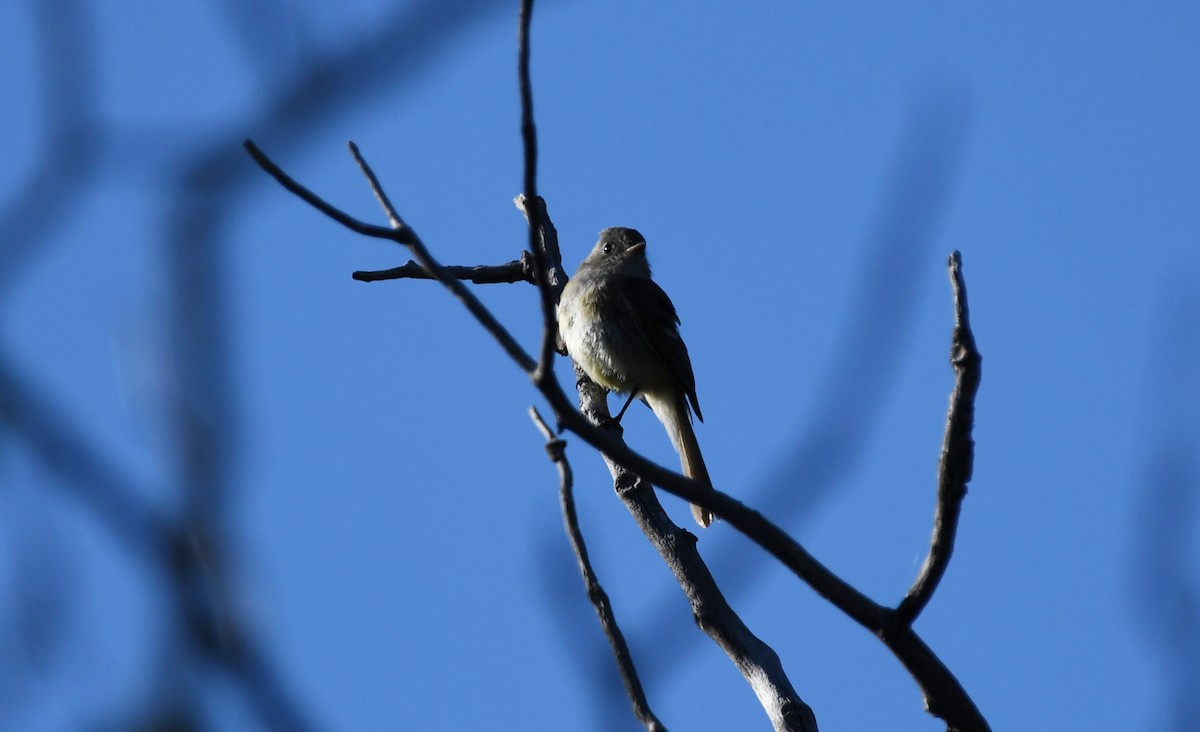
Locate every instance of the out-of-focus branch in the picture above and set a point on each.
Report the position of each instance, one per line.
(100, 485)
(70, 132)
(1166, 516)
(188, 550)
(958, 452)
(556, 449)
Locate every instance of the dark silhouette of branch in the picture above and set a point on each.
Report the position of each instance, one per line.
(945, 697)
(958, 453)
(556, 450)
(855, 385)
(548, 291)
(634, 474)
(758, 662)
(755, 659)
(518, 270)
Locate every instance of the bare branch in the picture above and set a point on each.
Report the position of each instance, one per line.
(757, 661)
(312, 199)
(556, 449)
(393, 217)
(944, 696)
(958, 452)
(406, 236)
(536, 214)
(534, 209)
(518, 270)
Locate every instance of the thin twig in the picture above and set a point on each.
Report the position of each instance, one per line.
(312, 199)
(944, 696)
(958, 453)
(756, 660)
(393, 216)
(535, 214)
(405, 236)
(556, 449)
(518, 270)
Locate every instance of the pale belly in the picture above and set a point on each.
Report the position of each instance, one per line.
(601, 347)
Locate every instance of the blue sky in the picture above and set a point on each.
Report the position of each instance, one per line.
(800, 172)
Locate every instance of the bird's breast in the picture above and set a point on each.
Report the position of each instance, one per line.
(594, 340)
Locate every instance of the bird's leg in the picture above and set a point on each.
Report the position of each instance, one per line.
(632, 394)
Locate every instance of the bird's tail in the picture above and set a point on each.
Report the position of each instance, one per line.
(675, 415)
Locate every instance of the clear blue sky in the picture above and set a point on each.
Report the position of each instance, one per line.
(800, 172)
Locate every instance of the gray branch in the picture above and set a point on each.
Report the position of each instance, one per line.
(958, 453)
(556, 450)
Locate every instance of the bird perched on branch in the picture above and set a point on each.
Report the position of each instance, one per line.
(622, 330)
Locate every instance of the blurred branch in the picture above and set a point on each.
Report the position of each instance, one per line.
(958, 453)
(248, 18)
(205, 189)
(111, 496)
(188, 551)
(1166, 591)
(556, 450)
(67, 149)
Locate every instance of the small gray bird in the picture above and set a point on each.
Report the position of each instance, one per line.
(623, 331)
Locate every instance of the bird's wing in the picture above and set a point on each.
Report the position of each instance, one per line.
(658, 326)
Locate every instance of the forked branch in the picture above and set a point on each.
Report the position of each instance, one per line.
(634, 474)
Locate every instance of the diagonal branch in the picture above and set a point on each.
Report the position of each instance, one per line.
(756, 660)
(945, 697)
(556, 449)
(406, 236)
(958, 453)
(112, 496)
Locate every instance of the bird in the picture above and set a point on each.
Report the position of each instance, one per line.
(620, 327)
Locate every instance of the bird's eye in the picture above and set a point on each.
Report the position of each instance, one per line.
(608, 247)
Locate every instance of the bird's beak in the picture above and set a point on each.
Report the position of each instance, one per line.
(636, 248)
